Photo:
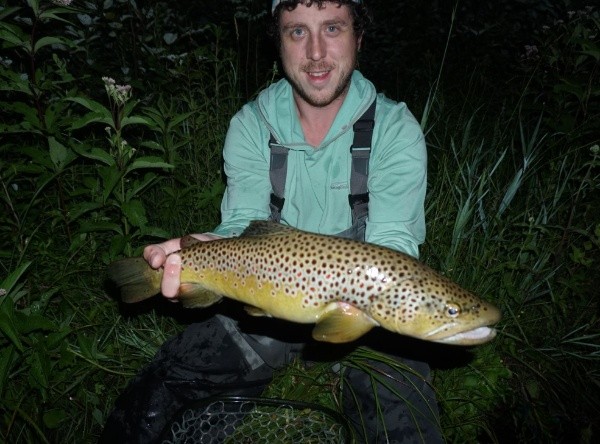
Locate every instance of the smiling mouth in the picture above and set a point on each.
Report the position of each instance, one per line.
(317, 74)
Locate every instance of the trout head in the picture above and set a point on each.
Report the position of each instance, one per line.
(432, 308)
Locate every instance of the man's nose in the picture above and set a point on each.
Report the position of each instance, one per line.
(316, 48)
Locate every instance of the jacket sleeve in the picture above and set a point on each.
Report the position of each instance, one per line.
(248, 188)
(397, 181)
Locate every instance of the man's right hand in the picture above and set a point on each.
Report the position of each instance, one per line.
(161, 255)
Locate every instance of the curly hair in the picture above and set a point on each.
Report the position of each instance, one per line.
(362, 18)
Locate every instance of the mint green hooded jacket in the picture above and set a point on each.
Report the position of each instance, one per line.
(318, 179)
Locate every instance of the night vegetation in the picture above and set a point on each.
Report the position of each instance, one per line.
(112, 119)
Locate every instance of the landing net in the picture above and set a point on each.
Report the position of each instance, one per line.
(238, 420)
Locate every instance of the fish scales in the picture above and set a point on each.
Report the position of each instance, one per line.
(344, 286)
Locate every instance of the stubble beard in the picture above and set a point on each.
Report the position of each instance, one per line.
(314, 99)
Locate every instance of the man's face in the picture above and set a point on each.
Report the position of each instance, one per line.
(318, 52)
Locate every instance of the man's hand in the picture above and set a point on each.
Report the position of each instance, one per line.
(160, 255)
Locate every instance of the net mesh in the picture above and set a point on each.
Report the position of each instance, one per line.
(257, 421)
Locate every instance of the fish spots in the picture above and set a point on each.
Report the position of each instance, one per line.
(313, 271)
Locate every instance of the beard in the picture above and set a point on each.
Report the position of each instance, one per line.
(316, 99)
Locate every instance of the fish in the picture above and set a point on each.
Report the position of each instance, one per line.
(345, 287)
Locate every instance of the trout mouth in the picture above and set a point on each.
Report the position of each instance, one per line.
(475, 336)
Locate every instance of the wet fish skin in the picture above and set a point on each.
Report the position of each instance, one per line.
(345, 287)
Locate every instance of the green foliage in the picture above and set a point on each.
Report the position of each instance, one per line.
(514, 219)
(91, 170)
(84, 163)
(313, 383)
(561, 67)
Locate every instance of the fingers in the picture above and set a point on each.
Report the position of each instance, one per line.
(160, 255)
(156, 254)
(169, 285)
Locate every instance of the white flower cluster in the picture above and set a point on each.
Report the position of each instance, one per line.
(119, 93)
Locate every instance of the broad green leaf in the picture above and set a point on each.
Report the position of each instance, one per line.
(7, 326)
(595, 53)
(179, 118)
(152, 145)
(88, 347)
(14, 82)
(39, 305)
(67, 357)
(48, 40)
(133, 120)
(59, 154)
(35, 6)
(98, 416)
(93, 117)
(148, 162)
(30, 119)
(110, 178)
(117, 245)
(13, 38)
(28, 323)
(91, 227)
(91, 104)
(7, 359)
(54, 14)
(135, 213)
(156, 232)
(9, 282)
(139, 186)
(96, 154)
(53, 418)
(78, 210)
(6, 11)
(39, 369)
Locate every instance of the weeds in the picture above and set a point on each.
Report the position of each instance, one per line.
(512, 215)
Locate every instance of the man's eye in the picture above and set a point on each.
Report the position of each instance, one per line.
(297, 32)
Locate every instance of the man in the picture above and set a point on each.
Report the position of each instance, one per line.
(288, 158)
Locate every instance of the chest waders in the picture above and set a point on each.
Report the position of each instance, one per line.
(358, 199)
(216, 358)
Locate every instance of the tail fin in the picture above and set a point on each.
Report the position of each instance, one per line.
(136, 279)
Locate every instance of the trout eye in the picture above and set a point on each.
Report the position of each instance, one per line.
(452, 310)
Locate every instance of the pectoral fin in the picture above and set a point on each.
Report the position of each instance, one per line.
(196, 296)
(342, 323)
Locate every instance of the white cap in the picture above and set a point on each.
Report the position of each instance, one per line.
(276, 2)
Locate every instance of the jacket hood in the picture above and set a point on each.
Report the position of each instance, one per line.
(277, 109)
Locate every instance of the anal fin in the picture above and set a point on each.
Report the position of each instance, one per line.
(196, 296)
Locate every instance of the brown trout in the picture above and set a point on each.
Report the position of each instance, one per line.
(345, 287)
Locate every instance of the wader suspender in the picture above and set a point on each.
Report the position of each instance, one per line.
(360, 151)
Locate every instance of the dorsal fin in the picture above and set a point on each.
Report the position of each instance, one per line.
(267, 228)
(187, 241)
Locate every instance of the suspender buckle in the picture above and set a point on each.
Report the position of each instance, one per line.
(358, 199)
(277, 201)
